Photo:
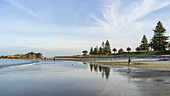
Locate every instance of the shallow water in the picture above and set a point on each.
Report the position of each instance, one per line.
(70, 78)
(64, 78)
(16, 62)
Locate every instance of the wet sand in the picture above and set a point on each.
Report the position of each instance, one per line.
(152, 64)
(151, 76)
(151, 82)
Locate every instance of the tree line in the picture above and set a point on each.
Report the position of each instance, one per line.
(158, 43)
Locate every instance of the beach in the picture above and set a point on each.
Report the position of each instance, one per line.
(146, 63)
(82, 77)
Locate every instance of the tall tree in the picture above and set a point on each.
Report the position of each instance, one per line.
(91, 51)
(95, 52)
(100, 50)
(114, 50)
(128, 49)
(103, 48)
(159, 41)
(144, 44)
(107, 48)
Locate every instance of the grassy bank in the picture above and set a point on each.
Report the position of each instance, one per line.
(125, 54)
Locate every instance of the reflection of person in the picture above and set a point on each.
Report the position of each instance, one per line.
(129, 63)
(129, 70)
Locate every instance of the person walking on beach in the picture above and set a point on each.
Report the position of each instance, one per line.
(129, 62)
(94, 59)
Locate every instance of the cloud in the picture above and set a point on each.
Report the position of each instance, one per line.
(12, 2)
(119, 14)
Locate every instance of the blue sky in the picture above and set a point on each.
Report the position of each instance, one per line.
(66, 27)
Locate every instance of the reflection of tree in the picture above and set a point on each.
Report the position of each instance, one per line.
(91, 67)
(95, 68)
(100, 68)
(107, 72)
(104, 70)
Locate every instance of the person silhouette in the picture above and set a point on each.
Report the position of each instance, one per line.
(129, 62)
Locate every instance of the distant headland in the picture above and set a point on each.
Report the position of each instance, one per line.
(30, 55)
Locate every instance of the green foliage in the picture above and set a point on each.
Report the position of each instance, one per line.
(114, 50)
(144, 44)
(159, 41)
(151, 45)
(100, 50)
(91, 51)
(107, 49)
(128, 49)
(104, 49)
(138, 49)
(95, 52)
(120, 51)
(32, 55)
(38, 55)
(84, 52)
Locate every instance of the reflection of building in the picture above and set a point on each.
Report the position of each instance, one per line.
(97, 68)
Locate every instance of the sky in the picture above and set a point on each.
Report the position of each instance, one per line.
(66, 27)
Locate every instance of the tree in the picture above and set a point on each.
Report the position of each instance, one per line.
(107, 49)
(85, 52)
(120, 51)
(128, 49)
(95, 52)
(103, 48)
(100, 50)
(114, 50)
(31, 55)
(144, 44)
(159, 41)
(138, 49)
(91, 51)
(38, 55)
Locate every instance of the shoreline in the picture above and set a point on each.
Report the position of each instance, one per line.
(151, 63)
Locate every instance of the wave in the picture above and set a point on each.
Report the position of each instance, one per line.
(19, 64)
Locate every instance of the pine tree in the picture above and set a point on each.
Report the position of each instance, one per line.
(91, 51)
(95, 52)
(159, 41)
(103, 48)
(107, 49)
(100, 50)
(144, 44)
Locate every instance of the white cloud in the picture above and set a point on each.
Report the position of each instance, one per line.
(118, 16)
(123, 22)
